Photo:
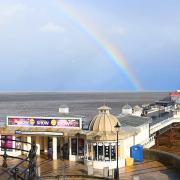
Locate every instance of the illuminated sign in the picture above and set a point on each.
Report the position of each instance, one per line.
(44, 121)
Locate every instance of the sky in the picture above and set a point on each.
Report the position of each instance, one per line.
(89, 45)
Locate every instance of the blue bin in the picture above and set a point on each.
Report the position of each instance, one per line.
(137, 152)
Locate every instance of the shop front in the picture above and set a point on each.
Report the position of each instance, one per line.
(54, 137)
(63, 137)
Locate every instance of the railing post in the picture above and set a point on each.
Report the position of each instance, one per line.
(4, 165)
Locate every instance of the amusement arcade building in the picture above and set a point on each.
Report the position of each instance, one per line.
(64, 137)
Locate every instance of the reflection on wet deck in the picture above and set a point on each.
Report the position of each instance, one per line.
(64, 169)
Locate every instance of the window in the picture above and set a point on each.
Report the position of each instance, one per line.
(113, 153)
(100, 152)
(94, 151)
(7, 144)
(74, 146)
(18, 144)
(107, 152)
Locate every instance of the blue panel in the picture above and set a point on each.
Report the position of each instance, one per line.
(137, 152)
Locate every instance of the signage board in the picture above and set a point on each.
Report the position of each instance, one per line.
(39, 133)
(44, 122)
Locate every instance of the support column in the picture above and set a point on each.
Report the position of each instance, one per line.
(77, 146)
(54, 143)
(92, 152)
(87, 151)
(61, 146)
(171, 139)
(14, 143)
(97, 152)
(0, 142)
(70, 152)
(157, 140)
(24, 144)
(41, 143)
(45, 144)
(116, 149)
(103, 152)
(38, 145)
(29, 141)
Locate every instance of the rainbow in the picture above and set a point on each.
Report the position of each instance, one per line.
(115, 55)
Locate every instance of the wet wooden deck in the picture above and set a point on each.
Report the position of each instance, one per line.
(147, 170)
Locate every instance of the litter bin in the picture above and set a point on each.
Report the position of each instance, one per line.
(106, 171)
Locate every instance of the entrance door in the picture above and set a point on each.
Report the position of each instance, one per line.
(50, 148)
(49, 142)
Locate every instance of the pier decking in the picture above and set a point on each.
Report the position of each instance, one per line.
(49, 169)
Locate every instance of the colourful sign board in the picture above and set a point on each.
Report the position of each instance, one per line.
(36, 121)
(6, 142)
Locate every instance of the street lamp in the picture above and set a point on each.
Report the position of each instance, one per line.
(117, 127)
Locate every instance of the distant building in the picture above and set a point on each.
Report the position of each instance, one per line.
(175, 96)
(127, 109)
(64, 109)
(137, 111)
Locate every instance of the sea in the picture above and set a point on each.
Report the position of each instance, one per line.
(79, 103)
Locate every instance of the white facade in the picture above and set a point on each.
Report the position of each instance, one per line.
(127, 110)
(64, 110)
(143, 134)
(137, 111)
(77, 151)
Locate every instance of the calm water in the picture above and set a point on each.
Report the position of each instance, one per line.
(86, 104)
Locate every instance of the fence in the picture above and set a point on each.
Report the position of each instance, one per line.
(28, 172)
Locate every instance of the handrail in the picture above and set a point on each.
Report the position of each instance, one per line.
(159, 125)
(28, 173)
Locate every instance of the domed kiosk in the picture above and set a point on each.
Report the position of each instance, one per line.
(101, 141)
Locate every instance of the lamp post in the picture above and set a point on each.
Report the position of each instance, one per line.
(117, 127)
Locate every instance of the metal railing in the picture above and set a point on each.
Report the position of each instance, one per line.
(26, 169)
(160, 125)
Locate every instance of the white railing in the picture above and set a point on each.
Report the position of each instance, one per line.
(162, 124)
(156, 109)
(148, 142)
